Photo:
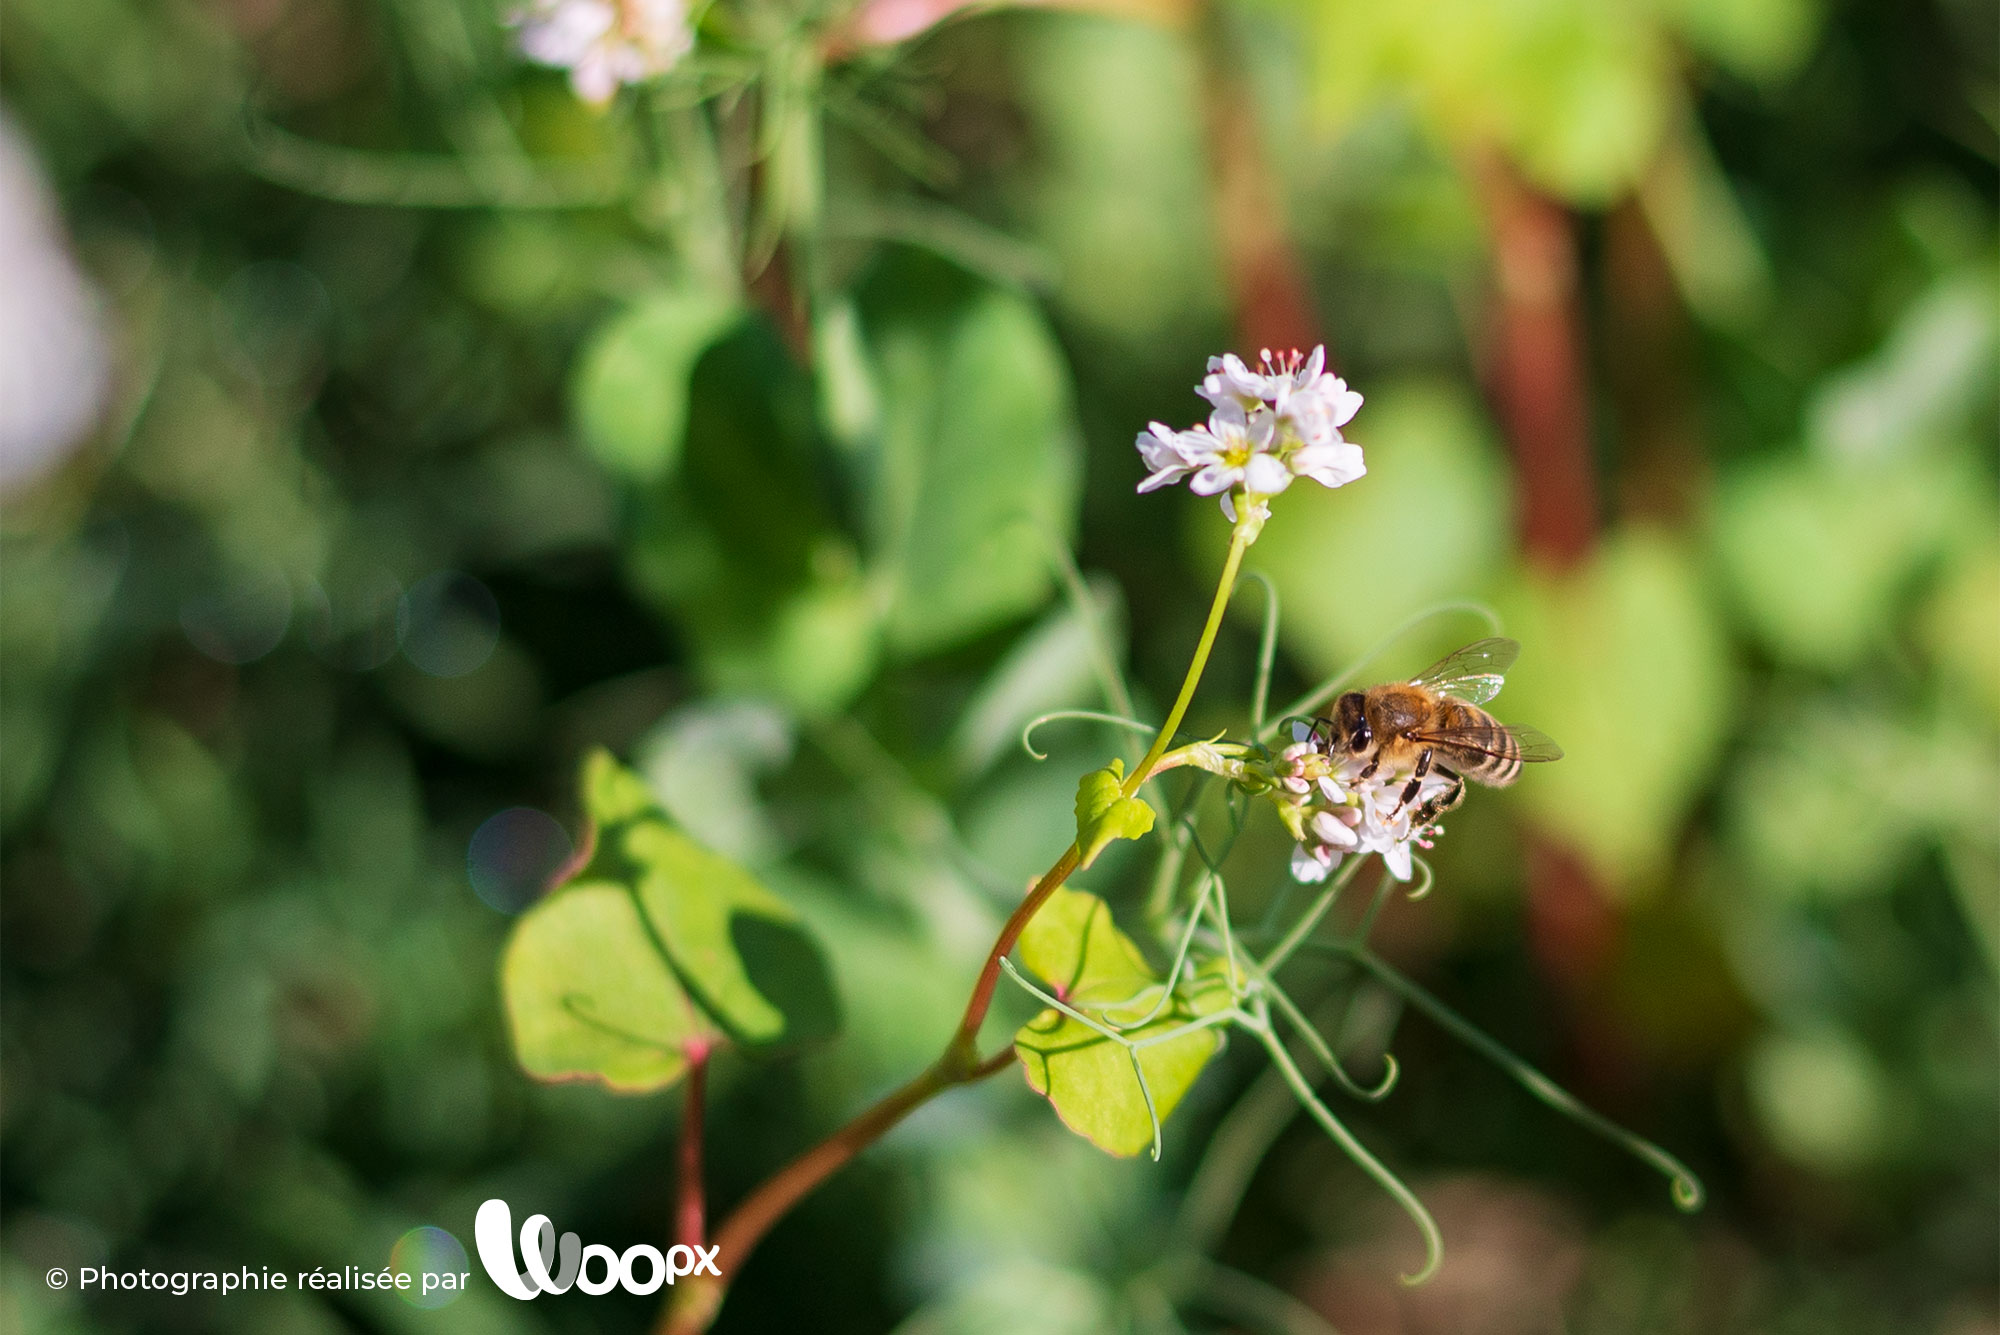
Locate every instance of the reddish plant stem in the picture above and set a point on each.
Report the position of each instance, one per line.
(690, 1213)
(1537, 370)
(1536, 364)
(694, 1305)
(965, 1042)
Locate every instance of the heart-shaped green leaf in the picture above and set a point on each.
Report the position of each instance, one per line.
(1072, 944)
(590, 997)
(657, 943)
(1104, 813)
(1095, 970)
(739, 949)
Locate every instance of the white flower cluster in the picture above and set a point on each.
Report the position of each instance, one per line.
(1269, 425)
(604, 43)
(1333, 812)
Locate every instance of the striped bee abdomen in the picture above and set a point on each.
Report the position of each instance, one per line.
(1477, 745)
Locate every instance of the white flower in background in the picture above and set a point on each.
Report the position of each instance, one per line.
(605, 43)
(1270, 424)
(55, 365)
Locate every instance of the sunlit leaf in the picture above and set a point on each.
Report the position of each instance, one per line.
(1072, 944)
(657, 943)
(1104, 813)
(739, 949)
(1094, 968)
(1090, 1082)
(590, 996)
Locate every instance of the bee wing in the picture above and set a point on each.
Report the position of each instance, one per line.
(1475, 673)
(1535, 745)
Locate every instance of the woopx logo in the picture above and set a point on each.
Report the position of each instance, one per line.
(493, 1229)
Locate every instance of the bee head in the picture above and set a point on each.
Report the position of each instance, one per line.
(1350, 712)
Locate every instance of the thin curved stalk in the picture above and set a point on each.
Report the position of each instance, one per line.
(1686, 1188)
(1303, 928)
(1267, 651)
(1323, 1051)
(1089, 715)
(1368, 1163)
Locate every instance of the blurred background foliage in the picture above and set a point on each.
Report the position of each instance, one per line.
(414, 428)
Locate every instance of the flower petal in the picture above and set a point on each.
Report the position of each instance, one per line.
(1266, 475)
(1333, 465)
(1215, 477)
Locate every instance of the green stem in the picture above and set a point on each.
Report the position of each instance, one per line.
(1239, 542)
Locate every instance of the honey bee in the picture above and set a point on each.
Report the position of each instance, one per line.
(1433, 723)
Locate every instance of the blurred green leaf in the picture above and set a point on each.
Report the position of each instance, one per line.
(1073, 945)
(1956, 625)
(1022, 1294)
(1925, 381)
(1820, 555)
(704, 761)
(745, 553)
(849, 402)
(1623, 662)
(1050, 667)
(979, 450)
(630, 392)
(1574, 91)
(1758, 39)
(1718, 262)
(1822, 1099)
(1808, 806)
(1113, 100)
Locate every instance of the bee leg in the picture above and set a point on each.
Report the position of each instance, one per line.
(1416, 783)
(1442, 803)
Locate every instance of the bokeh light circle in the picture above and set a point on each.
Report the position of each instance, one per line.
(512, 855)
(450, 624)
(429, 1250)
(243, 619)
